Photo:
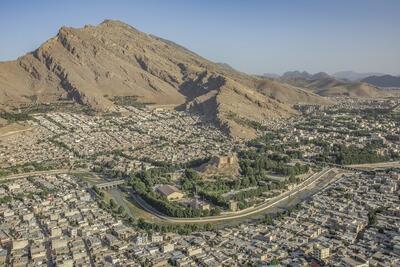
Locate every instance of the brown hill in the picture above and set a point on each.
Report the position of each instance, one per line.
(330, 87)
(383, 81)
(288, 93)
(95, 64)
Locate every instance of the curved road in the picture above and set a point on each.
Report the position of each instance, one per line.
(121, 198)
(233, 215)
(301, 188)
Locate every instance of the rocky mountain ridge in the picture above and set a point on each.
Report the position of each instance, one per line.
(94, 64)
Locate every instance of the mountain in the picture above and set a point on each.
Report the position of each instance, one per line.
(331, 87)
(383, 81)
(95, 64)
(353, 76)
(304, 75)
(296, 75)
(287, 93)
(319, 76)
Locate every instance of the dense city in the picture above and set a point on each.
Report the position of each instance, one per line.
(152, 186)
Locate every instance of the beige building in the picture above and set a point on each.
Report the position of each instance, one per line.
(170, 192)
(167, 247)
(320, 252)
(192, 251)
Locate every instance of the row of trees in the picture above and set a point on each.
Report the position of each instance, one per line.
(30, 166)
(255, 192)
(347, 155)
(257, 164)
(354, 155)
(15, 117)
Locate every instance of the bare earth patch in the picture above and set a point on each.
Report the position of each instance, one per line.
(13, 128)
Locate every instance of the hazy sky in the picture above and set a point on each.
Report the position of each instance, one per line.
(252, 36)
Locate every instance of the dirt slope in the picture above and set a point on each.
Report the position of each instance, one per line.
(94, 64)
(330, 86)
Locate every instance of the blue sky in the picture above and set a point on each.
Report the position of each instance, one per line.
(254, 36)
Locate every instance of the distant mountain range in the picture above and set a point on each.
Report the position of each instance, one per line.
(342, 75)
(304, 75)
(383, 81)
(325, 85)
(354, 76)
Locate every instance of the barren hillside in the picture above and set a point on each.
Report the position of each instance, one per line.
(95, 64)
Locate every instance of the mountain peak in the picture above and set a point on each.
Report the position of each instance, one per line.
(116, 24)
(95, 65)
(304, 75)
(112, 22)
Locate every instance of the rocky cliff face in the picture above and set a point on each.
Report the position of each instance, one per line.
(91, 65)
